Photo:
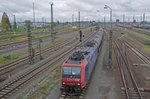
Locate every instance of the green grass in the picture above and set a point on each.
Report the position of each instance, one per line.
(48, 44)
(16, 55)
(22, 30)
(8, 41)
(146, 47)
(143, 36)
(5, 58)
(35, 47)
(9, 35)
(142, 29)
(122, 34)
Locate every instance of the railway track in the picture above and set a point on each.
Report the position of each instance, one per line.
(12, 65)
(33, 73)
(80, 96)
(6, 46)
(126, 73)
(138, 53)
(141, 31)
(63, 95)
(16, 36)
(22, 61)
(134, 50)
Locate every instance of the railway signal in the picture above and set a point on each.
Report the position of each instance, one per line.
(80, 32)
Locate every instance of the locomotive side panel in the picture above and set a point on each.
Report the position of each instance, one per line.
(91, 62)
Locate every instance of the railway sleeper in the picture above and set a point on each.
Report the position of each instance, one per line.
(2, 93)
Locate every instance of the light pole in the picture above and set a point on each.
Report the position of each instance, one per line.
(110, 36)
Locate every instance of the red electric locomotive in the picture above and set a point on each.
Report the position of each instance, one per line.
(77, 69)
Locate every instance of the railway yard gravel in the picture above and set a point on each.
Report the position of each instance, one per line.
(25, 89)
(105, 82)
(32, 83)
(20, 47)
(102, 82)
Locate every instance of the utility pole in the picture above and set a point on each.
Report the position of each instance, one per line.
(30, 49)
(72, 19)
(123, 19)
(15, 25)
(104, 21)
(52, 28)
(143, 17)
(33, 16)
(63, 25)
(110, 44)
(45, 20)
(76, 21)
(42, 21)
(79, 20)
(133, 19)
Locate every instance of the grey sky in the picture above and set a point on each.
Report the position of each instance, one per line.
(63, 9)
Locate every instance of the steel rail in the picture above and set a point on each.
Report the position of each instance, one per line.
(129, 69)
(22, 80)
(14, 64)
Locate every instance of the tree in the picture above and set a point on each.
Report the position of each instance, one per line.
(117, 20)
(57, 22)
(28, 23)
(134, 21)
(5, 24)
(143, 22)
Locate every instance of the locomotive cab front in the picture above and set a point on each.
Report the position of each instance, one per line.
(71, 79)
(72, 74)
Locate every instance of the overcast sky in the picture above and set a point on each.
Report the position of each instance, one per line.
(63, 9)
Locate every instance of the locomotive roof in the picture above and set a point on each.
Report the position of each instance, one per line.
(85, 51)
(80, 54)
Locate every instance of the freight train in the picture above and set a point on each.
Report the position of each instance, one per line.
(77, 69)
(143, 26)
(125, 26)
(130, 26)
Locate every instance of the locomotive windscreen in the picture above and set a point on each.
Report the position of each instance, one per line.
(71, 72)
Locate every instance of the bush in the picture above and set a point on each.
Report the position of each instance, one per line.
(5, 58)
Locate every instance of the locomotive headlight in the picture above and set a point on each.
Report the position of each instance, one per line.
(64, 83)
(78, 83)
